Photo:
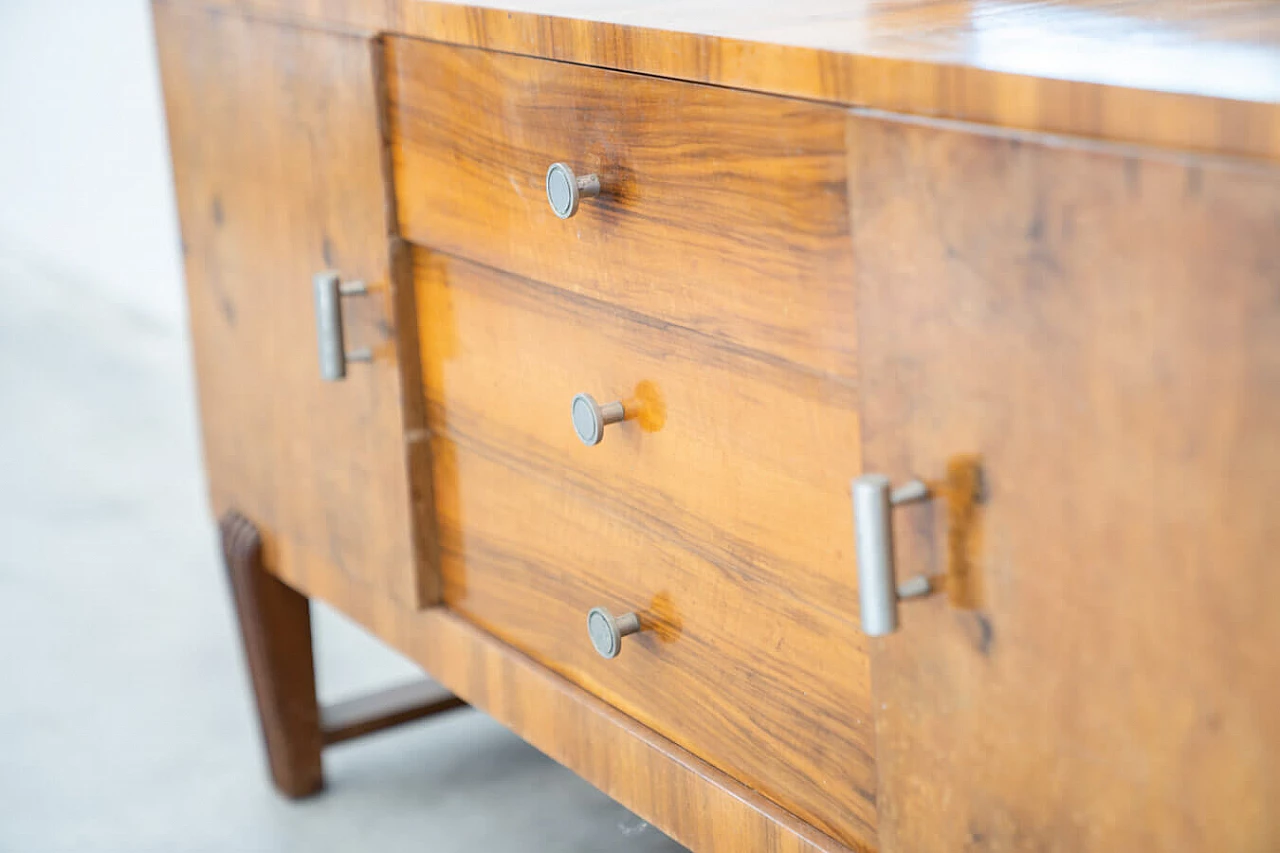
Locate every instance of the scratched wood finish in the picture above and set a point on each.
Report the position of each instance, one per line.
(721, 211)
(693, 802)
(718, 511)
(278, 162)
(1104, 332)
(1179, 73)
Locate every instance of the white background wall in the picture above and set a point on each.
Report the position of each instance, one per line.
(84, 173)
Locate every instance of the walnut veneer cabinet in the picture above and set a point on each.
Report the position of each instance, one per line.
(821, 426)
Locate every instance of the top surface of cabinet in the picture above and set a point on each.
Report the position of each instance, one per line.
(1194, 75)
(1228, 50)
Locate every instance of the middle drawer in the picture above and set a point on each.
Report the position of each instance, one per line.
(718, 512)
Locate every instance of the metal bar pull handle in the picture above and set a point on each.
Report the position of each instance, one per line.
(873, 502)
(329, 290)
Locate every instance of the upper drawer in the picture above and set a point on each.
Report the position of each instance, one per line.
(720, 211)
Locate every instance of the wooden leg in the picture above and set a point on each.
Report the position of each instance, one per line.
(275, 627)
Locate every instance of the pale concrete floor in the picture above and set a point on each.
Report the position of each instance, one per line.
(125, 716)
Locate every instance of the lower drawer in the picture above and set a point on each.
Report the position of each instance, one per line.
(718, 512)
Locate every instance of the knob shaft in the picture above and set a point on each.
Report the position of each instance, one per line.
(590, 418)
(606, 631)
(565, 189)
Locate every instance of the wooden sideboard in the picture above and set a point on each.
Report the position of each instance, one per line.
(1008, 272)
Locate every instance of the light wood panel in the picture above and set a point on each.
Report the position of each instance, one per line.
(1180, 73)
(720, 211)
(278, 162)
(1103, 332)
(718, 511)
(694, 803)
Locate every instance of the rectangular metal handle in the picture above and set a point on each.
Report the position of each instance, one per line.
(329, 289)
(871, 524)
(878, 592)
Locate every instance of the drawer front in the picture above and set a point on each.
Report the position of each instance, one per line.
(723, 212)
(718, 512)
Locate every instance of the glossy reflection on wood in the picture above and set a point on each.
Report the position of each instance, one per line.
(724, 524)
(721, 211)
(278, 162)
(1105, 333)
(1183, 73)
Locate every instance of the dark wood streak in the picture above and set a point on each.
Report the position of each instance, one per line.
(655, 512)
(669, 338)
(549, 582)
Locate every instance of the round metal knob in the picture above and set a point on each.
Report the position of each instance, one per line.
(606, 632)
(564, 189)
(590, 418)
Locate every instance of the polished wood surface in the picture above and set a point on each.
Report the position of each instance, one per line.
(1179, 73)
(693, 802)
(279, 166)
(1077, 342)
(275, 633)
(1103, 332)
(718, 511)
(753, 251)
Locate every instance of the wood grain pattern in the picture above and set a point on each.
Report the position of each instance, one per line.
(1180, 73)
(278, 161)
(719, 511)
(753, 251)
(693, 802)
(275, 629)
(1104, 332)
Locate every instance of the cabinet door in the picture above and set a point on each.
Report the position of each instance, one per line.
(279, 167)
(1101, 669)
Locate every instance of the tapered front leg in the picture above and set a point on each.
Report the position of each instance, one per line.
(275, 627)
